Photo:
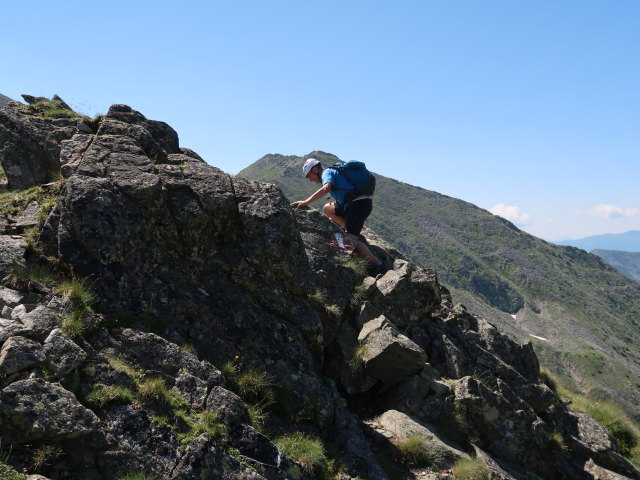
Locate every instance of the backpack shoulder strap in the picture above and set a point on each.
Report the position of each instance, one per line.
(341, 167)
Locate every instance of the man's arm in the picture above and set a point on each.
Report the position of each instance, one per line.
(321, 192)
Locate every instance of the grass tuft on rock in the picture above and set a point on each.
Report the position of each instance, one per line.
(32, 273)
(309, 452)
(8, 473)
(549, 379)
(359, 267)
(356, 362)
(77, 293)
(254, 386)
(203, 422)
(471, 469)
(50, 109)
(44, 458)
(154, 392)
(120, 365)
(81, 322)
(74, 326)
(137, 476)
(556, 442)
(620, 426)
(624, 430)
(258, 414)
(103, 395)
(414, 450)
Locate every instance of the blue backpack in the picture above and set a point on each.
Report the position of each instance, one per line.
(356, 173)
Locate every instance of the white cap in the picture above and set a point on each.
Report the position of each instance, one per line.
(308, 165)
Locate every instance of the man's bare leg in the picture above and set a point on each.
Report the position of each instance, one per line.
(362, 248)
(330, 211)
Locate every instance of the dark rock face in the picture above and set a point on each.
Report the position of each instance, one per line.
(12, 249)
(30, 146)
(196, 272)
(389, 356)
(34, 409)
(404, 295)
(19, 353)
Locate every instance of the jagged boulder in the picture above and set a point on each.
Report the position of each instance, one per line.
(71, 152)
(40, 321)
(460, 344)
(11, 298)
(62, 354)
(230, 408)
(34, 409)
(30, 141)
(399, 426)
(586, 436)
(138, 444)
(501, 470)
(20, 353)
(192, 377)
(597, 472)
(405, 294)
(344, 364)
(255, 445)
(156, 138)
(11, 328)
(409, 395)
(204, 458)
(12, 250)
(505, 425)
(388, 355)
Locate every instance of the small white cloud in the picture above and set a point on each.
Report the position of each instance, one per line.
(608, 211)
(511, 213)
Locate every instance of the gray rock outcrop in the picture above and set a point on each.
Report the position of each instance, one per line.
(30, 144)
(399, 426)
(387, 355)
(19, 353)
(35, 410)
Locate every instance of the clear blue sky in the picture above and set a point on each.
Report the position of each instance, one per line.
(532, 105)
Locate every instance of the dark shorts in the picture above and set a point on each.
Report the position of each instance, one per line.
(355, 214)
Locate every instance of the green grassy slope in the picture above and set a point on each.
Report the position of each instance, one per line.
(587, 312)
(4, 100)
(627, 263)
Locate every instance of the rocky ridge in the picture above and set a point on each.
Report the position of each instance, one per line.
(4, 100)
(161, 316)
(579, 312)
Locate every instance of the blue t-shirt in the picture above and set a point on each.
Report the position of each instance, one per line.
(340, 186)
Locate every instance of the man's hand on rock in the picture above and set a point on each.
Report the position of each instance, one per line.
(298, 204)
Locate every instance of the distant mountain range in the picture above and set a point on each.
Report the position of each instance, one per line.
(4, 100)
(627, 263)
(628, 242)
(581, 314)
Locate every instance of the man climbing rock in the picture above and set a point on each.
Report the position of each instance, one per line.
(350, 209)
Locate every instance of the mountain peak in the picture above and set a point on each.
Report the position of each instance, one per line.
(627, 241)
